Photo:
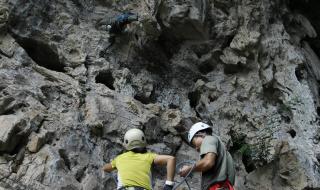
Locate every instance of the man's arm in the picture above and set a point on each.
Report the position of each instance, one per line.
(108, 168)
(206, 163)
(171, 164)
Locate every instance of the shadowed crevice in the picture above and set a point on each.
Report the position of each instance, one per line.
(42, 54)
(105, 78)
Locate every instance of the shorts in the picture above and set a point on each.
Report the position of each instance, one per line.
(225, 185)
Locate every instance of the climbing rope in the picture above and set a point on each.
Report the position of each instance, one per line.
(179, 165)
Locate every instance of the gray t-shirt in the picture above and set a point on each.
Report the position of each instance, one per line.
(223, 168)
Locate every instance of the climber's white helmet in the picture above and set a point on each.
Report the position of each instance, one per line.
(134, 138)
(196, 128)
(109, 27)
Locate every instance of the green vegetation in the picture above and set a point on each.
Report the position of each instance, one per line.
(245, 150)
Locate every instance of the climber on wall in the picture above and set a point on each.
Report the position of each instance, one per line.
(117, 26)
(216, 164)
(134, 166)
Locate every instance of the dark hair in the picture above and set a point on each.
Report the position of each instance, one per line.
(141, 150)
(207, 131)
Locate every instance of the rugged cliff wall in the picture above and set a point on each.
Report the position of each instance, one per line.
(250, 68)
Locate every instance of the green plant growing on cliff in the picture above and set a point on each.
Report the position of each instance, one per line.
(284, 108)
(245, 150)
(133, 107)
(239, 144)
(252, 155)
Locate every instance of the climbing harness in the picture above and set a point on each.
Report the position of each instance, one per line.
(132, 188)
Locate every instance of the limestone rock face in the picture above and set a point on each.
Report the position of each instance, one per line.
(9, 132)
(249, 68)
(184, 19)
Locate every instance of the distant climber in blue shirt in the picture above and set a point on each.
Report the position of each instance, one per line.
(119, 24)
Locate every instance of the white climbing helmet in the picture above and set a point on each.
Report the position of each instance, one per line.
(196, 128)
(134, 138)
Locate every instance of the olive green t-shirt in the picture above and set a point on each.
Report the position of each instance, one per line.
(223, 168)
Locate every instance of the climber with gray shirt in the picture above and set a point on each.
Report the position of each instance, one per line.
(118, 25)
(216, 163)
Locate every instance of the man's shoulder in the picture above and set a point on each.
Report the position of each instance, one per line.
(210, 139)
(209, 144)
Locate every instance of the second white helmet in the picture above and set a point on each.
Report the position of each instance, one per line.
(196, 128)
(134, 138)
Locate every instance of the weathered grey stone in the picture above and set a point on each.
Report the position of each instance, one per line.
(184, 20)
(244, 39)
(314, 62)
(300, 27)
(231, 57)
(160, 148)
(171, 120)
(37, 140)
(143, 87)
(6, 103)
(4, 17)
(8, 45)
(9, 137)
(90, 182)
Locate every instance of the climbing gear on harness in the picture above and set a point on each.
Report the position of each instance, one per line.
(134, 138)
(225, 185)
(196, 128)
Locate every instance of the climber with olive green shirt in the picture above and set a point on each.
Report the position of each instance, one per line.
(216, 163)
